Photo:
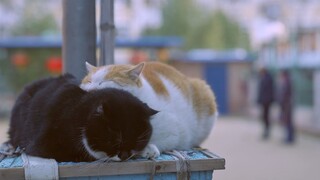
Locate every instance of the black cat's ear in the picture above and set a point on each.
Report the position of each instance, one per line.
(152, 112)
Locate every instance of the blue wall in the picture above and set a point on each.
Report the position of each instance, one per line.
(217, 77)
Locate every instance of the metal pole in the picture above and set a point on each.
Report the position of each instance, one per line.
(79, 36)
(316, 97)
(107, 33)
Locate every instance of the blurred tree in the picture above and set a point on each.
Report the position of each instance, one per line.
(176, 19)
(17, 77)
(200, 28)
(32, 17)
(7, 3)
(34, 20)
(217, 31)
(35, 26)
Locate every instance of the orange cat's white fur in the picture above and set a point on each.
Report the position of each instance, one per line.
(187, 106)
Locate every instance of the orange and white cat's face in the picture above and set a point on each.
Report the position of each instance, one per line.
(116, 76)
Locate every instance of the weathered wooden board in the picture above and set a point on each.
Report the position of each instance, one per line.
(201, 164)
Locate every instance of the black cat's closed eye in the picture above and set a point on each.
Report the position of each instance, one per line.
(99, 110)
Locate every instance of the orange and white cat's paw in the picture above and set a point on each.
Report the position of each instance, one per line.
(150, 151)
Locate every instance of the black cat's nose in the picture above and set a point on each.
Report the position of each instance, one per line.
(124, 155)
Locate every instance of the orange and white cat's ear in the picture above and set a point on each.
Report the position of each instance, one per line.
(90, 67)
(135, 72)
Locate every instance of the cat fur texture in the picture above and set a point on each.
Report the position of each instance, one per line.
(55, 118)
(187, 106)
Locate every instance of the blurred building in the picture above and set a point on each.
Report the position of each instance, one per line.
(226, 72)
(264, 19)
(268, 19)
(284, 33)
(131, 17)
(14, 12)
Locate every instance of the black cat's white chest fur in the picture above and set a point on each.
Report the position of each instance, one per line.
(54, 118)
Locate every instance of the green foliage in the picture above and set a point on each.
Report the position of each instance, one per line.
(34, 18)
(17, 77)
(33, 26)
(199, 28)
(176, 19)
(176, 16)
(217, 31)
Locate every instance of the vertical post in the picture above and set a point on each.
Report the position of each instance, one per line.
(107, 33)
(316, 94)
(79, 36)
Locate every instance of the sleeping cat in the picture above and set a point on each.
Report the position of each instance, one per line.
(187, 106)
(55, 118)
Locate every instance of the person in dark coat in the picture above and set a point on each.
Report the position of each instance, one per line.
(285, 102)
(265, 99)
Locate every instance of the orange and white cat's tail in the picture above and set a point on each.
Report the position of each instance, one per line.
(205, 105)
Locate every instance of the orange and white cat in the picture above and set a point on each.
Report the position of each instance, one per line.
(187, 106)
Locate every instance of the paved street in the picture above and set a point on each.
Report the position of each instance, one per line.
(3, 130)
(250, 158)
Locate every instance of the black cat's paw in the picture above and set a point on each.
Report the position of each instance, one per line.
(7, 149)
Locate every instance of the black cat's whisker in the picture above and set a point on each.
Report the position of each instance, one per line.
(142, 140)
(102, 160)
(116, 144)
(119, 140)
(145, 133)
(132, 155)
(97, 163)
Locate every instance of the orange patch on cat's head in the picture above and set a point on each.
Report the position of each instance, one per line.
(120, 74)
(125, 74)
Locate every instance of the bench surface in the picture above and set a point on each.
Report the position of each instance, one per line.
(201, 164)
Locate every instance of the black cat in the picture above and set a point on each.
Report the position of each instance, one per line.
(54, 118)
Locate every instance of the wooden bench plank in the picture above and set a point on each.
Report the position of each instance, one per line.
(199, 161)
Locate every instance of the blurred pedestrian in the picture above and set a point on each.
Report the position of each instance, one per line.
(285, 102)
(265, 99)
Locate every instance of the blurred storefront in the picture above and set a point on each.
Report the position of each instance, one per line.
(227, 72)
(299, 53)
(24, 59)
